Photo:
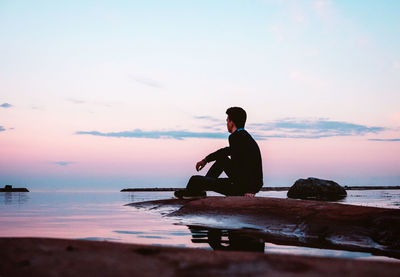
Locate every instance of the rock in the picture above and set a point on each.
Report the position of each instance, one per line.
(317, 189)
(49, 257)
(305, 223)
(9, 188)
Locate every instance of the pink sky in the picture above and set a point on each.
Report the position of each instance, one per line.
(134, 94)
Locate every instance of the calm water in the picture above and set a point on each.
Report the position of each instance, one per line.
(103, 216)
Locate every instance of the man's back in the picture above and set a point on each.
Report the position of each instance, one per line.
(246, 161)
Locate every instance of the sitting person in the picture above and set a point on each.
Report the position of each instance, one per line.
(241, 162)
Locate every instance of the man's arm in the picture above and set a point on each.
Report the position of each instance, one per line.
(212, 157)
(223, 152)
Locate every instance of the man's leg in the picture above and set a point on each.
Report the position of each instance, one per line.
(221, 165)
(198, 185)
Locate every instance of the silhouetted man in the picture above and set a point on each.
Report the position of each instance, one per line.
(241, 162)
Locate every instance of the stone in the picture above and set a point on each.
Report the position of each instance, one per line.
(316, 189)
(306, 223)
(9, 188)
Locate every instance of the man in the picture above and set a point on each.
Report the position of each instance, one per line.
(243, 168)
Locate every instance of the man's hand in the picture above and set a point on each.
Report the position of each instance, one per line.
(249, 194)
(201, 164)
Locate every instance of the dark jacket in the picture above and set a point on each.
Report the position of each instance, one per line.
(246, 161)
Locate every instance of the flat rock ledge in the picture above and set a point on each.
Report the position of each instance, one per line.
(60, 257)
(294, 222)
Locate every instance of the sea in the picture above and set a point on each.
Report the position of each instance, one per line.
(105, 216)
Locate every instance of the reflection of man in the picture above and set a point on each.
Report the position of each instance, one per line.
(220, 239)
(241, 161)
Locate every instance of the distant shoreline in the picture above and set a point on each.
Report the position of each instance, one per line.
(266, 188)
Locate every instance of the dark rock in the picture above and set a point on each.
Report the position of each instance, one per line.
(9, 188)
(317, 189)
(307, 223)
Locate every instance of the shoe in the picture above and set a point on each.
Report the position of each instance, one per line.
(185, 194)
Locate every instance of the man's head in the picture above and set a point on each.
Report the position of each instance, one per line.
(236, 118)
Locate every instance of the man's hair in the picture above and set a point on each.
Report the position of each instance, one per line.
(237, 115)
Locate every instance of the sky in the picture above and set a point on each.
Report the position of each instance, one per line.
(105, 95)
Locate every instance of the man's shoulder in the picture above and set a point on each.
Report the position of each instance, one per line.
(241, 135)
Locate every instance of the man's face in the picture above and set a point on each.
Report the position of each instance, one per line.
(229, 124)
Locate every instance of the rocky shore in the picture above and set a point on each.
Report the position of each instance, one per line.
(293, 222)
(60, 257)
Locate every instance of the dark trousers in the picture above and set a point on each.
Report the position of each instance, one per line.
(198, 183)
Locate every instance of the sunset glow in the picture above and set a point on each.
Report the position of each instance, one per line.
(133, 93)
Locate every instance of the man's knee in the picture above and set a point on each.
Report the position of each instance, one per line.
(198, 182)
(194, 181)
(195, 178)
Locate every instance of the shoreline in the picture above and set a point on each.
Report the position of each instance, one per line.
(65, 257)
(266, 188)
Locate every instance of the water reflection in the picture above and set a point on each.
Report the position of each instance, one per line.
(248, 240)
(224, 239)
(13, 198)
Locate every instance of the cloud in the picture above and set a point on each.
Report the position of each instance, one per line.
(38, 108)
(63, 163)
(285, 128)
(2, 129)
(147, 82)
(174, 134)
(216, 124)
(318, 128)
(209, 118)
(75, 101)
(214, 127)
(384, 139)
(89, 102)
(6, 105)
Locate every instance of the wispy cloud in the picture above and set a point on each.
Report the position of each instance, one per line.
(2, 129)
(213, 123)
(76, 101)
(301, 128)
(88, 102)
(63, 163)
(6, 105)
(286, 128)
(173, 134)
(209, 118)
(384, 139)
(38, 108)
(147, 82)
(318, 128)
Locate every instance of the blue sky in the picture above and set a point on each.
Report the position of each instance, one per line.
(83, 79)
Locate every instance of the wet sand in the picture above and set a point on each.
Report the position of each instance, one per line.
(59, 257)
